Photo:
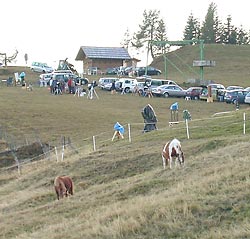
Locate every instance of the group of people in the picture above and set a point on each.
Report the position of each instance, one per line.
(145, 92)
(59, 86)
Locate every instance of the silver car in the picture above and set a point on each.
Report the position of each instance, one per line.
(169, 91)
(247, 98)
(41, 67)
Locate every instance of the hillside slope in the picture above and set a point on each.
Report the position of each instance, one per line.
(232, 64)
(125, 193)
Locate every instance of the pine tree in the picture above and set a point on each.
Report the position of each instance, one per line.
(242, 37)
(192, 29)
(152, 29)
(208, 30)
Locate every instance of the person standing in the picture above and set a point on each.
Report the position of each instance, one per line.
(70, 85)
(113, 91)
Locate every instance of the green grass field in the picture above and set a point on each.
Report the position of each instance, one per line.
(121, 189)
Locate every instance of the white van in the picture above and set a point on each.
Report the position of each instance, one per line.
(126, 84)
(158, 82)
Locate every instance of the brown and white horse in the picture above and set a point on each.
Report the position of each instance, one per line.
(172, 150)
(63, 186)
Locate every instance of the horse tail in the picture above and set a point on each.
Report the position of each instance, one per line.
(68, 182)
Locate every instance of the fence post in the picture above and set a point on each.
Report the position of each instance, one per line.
(244, 123)
(187, 128)
(94, 146)
(63, 152)
(56, 154)
(129, 133)
(17, 162)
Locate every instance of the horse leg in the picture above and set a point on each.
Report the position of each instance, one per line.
(57, 192)
(170, 162)
(164, 162)
(177, 160)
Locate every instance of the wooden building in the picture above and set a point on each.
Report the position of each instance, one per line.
(101, 58)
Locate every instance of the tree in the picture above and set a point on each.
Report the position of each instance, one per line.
(192, 29)
(152, 29)
(5, 59)
(228, 36)
(218, 29)
(208, 30)
(160, 35)
(126, 40)
(242, 36)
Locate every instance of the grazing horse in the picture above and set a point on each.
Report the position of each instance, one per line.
(63, 186)
(172, 150)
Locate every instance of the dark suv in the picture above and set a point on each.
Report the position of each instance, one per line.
(232, 96)
(151, 71)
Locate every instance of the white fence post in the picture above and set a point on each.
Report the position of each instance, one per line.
(56, 154)
(94, 146)
(244, 123)
(62, 152)
(187, 128)
(129, 133)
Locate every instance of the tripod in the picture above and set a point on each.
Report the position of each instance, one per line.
(92, 93)
(58, 90)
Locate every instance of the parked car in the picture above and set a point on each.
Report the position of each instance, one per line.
(126, 84)
(140, 88)
(41, 67)
(45, 78)
(169, 91)
(80, 81)
(150, 71)
(158, 82)
(111, 71)
(218, 91)
(247, 89)
(129, 71)
(153, 83)
(234, 87)
(105, 83)
(194, 92)
(247, 98)
(232, 96)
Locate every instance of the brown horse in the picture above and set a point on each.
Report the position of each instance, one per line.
(63, 186)
(172, 150)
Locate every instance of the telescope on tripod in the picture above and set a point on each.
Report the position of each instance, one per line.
(92, 91)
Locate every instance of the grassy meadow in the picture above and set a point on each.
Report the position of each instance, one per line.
(121, 189)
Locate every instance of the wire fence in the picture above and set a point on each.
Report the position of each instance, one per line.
(66, 147)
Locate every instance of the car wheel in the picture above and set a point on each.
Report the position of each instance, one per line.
(166, 95)
(127, 90)
(196, 97)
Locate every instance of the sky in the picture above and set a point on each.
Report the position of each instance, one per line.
(52, 30)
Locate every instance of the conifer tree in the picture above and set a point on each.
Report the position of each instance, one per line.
(208, 30)
(152, 29)
(192, 29)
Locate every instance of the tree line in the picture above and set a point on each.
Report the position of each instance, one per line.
(212, 30)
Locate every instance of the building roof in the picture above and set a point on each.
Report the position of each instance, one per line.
(102, 53)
